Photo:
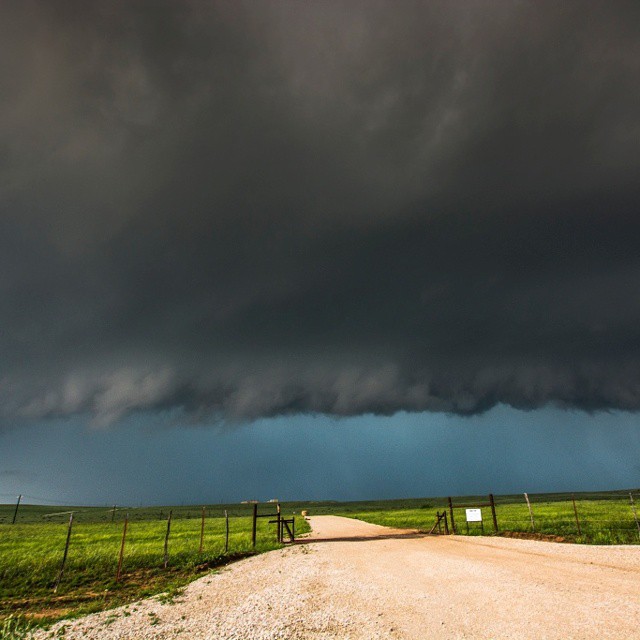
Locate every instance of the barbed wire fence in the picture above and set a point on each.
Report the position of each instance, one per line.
(132, 538)
(605, 517)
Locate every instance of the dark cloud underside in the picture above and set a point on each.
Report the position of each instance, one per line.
(342, 207)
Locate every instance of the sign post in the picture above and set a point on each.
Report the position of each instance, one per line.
(474, 515)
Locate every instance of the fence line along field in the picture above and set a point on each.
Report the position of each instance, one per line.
(32, 549)
(597, 518)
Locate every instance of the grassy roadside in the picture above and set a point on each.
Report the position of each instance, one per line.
(32, 549)
(31, 554)
(604, 518)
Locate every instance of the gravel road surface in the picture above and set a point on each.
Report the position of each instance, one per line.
(354, 580)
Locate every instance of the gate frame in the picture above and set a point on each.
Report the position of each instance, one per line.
(477, 505)
(279, 520)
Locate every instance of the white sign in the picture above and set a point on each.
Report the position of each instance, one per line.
(474, 515)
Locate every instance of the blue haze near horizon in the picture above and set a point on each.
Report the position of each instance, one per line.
(319, 458)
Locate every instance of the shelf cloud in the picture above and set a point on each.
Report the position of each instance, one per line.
(240, 209)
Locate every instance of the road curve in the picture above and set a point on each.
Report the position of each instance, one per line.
(353, 580)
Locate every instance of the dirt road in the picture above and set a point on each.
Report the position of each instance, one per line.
(354, 580)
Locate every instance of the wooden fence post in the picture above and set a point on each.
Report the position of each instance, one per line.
(255, 524)
(575, 510)
(446, 525)
(166, 541)
(124, 535)
(635, 514)
(279, 523)
(493, 512)
(453, 524)
(201, 532)
(113, 513)
(64, 557)
(533, 526)
(226, 533)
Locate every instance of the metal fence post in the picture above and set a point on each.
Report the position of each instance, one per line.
(201, 532)
(64, 557)
(533, 526)
(575, 510)
(15, 513)
(124, 535)
(166, 541)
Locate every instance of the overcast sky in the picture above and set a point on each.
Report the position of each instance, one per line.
(247, 214)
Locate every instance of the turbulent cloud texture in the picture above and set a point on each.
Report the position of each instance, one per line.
(247, 209)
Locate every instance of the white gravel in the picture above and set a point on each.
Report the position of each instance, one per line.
(361, 581)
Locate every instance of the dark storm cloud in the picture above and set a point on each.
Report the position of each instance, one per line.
(248, 209)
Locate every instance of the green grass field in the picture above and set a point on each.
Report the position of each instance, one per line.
(31, 550)
(605, 518)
